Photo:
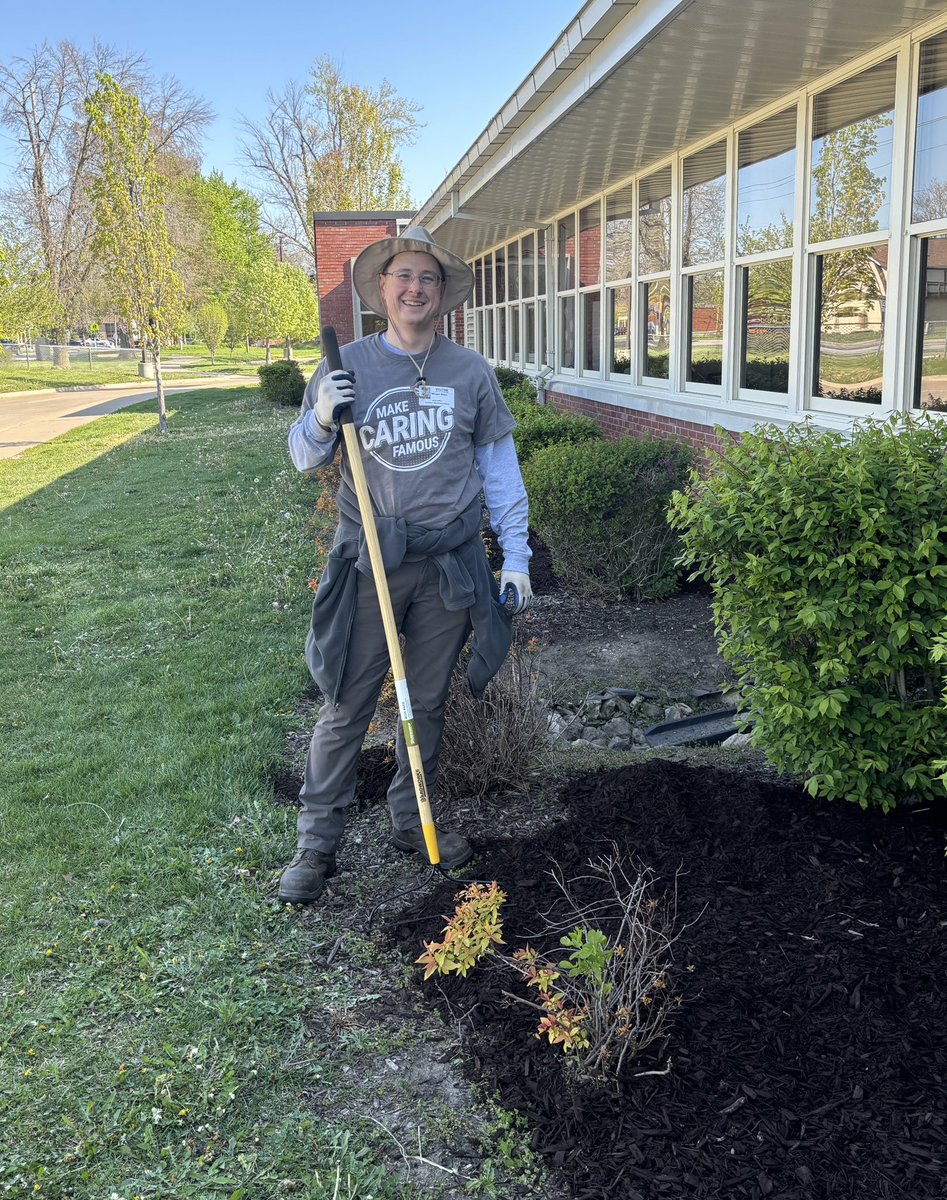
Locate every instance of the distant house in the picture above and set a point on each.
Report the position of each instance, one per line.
(715, 212)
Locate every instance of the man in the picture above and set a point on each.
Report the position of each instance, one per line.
(434, 431)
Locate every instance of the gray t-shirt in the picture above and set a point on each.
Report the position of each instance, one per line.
(418, 441)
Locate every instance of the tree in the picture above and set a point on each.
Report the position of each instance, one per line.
(27, 301)
(276, 300)
(42, 107)
(215, 229)
(128, 195)
(302, 317)
(330, 146)
(212, 326)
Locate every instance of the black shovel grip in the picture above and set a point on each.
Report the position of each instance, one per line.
(330, 351)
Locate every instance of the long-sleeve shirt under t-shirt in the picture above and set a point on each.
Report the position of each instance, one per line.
(429, 448)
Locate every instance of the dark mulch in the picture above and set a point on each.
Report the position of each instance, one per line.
(808, 1059)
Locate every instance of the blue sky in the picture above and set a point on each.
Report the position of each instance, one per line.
(460, 64)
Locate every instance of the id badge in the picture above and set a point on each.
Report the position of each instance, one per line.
(435, 397)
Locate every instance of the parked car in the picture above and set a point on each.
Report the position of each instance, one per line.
(97, 343)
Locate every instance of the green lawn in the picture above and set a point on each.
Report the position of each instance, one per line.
(152, 992)
(17, 374)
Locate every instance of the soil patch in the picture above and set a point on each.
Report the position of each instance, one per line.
(807, 1059)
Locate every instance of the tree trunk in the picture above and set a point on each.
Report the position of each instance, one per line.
(288, 350)
(267, 351)
(163, 426)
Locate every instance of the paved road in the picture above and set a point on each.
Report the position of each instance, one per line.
(30, 418)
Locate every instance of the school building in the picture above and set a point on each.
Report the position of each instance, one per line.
(701, 213)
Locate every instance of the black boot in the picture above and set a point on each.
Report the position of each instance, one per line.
(305, 878)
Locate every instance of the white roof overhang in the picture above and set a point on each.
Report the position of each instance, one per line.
(631, 81)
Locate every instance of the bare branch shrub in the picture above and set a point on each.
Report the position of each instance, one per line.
(626, 995)
(497, 744)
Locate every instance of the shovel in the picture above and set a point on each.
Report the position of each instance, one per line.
(330, 348)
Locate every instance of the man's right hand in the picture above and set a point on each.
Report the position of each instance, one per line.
(336, 391)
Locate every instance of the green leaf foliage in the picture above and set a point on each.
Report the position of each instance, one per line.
(601, 508)
(282, 382)
(509, 379)
(827, 553)
(539, 425)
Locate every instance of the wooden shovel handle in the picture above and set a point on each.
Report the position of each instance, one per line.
(330, 348)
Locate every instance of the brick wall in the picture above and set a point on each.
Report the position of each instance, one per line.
(618, 422)
(338, 241)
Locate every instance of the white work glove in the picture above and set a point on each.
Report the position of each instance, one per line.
(521, 594)
(336, 391)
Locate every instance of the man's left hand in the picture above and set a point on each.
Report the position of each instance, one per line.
(523, 593)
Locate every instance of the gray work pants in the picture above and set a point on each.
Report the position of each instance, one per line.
(433, 639)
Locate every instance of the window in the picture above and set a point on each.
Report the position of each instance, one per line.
(656, 328)
(930, 383)
(529, 265)
(930, 154)
(566, 275)
(513, 271)
(852, 134)
(654, 259)
(619, 234)
(529, 319)
(654, 223)
(766, 178)
(591, 303)
(704, 206)
(590, 245)
(500, 275)
(567, 332)
(705, 327)
(766, 308)
(488, 334)
(566, 279)
(850, 294)
(619, 316)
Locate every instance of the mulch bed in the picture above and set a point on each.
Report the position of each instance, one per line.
(808, 1059)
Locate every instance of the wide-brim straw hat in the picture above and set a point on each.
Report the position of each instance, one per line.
(459, 278)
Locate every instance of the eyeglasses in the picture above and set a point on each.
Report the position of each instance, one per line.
(427, 279)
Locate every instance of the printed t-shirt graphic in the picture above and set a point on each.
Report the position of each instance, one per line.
(408, 428)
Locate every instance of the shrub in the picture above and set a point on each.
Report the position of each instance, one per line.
(508, 378)
(538, 426)
(608, 998)
(282, 382)
(829, 568)
(521, 397)
(601, 508)
(498, 744)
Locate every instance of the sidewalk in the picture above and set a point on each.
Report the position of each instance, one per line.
(31, 418)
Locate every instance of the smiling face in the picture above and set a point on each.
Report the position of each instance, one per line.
(412, 307)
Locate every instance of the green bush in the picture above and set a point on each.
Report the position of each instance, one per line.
(508, 378)
(521, 395)
(540, 425)
(828, 560)
(601, 508)
(282, 382)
